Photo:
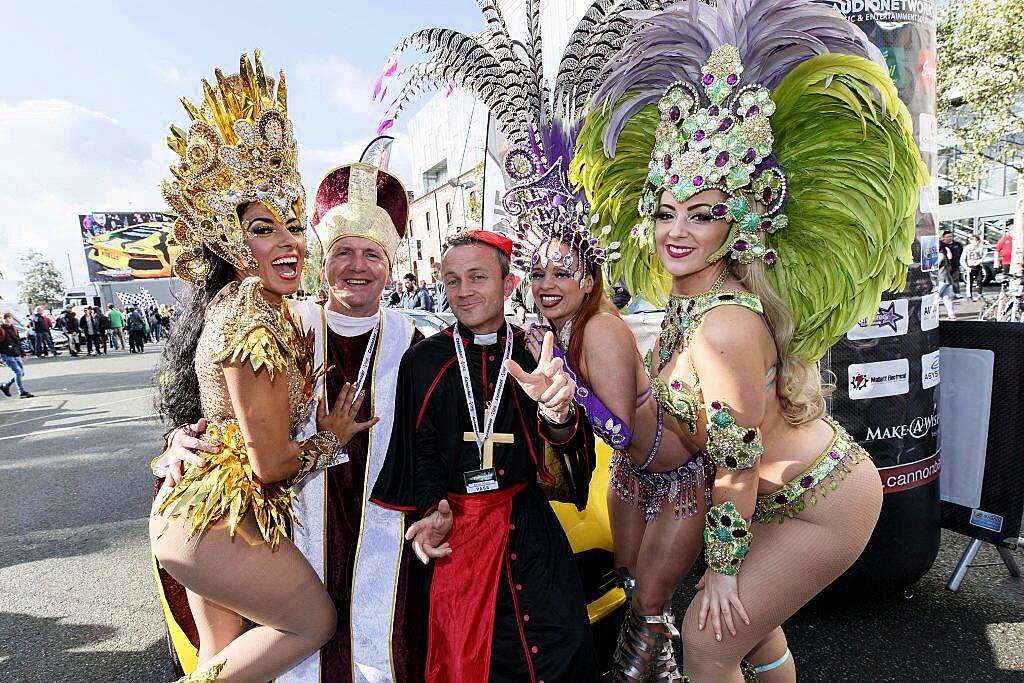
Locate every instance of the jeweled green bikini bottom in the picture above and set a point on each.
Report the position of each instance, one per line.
(833, 464)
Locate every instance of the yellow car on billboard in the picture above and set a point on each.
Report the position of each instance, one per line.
(145, 250)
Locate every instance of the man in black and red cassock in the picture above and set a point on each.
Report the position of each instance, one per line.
(356, 548)
(506, 601)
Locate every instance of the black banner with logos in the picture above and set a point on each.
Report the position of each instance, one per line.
(886, 370)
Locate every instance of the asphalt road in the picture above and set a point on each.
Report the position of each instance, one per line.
(77, 601)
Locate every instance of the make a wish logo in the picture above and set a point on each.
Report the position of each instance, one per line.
(892, 320)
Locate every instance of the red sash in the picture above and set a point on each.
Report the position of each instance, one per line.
(464, 589)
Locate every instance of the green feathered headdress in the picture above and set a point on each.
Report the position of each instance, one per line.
(841, 135)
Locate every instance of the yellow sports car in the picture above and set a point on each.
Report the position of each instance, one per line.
(145, 250)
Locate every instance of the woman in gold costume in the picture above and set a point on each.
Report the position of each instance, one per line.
(240, 362)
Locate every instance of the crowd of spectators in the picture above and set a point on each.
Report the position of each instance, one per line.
(92, 329)
(415, 296)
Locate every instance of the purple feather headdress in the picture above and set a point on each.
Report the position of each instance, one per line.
(711, 71)
(540, 122)
(548, 211)
(773, 37)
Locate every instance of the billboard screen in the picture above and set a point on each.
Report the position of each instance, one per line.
(127, 246)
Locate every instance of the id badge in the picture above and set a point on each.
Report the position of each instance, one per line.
(481, 481)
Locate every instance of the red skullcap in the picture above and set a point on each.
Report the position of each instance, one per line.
(499, 242)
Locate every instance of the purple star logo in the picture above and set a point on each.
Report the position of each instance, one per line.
(887, 317)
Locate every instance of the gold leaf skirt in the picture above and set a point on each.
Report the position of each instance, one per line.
(226, 488)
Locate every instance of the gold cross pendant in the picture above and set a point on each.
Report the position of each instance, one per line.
(491, 440)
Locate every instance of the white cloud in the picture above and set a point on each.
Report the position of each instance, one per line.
(338, 82)
(171, 73)
(46, 110)
(62, 160)
(315, 162)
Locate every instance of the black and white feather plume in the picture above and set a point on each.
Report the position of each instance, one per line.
(539, 121)
(508, 75)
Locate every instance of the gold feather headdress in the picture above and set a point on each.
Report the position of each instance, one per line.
(239, 148)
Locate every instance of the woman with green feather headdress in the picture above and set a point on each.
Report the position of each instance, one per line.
(758, 167)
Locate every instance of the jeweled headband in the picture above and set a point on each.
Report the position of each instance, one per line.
(546, 210)
(239, 148)
(727, 146)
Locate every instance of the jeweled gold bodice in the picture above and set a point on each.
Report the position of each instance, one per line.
(242, 326)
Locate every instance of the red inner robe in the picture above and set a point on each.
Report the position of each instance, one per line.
(344, 514)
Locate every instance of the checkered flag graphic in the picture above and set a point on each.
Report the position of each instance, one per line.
(128, 299)
(147, 299)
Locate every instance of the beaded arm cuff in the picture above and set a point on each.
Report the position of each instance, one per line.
(726, 539)
(320, 451)
(729, 445)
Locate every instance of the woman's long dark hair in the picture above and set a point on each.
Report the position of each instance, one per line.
(177, 398)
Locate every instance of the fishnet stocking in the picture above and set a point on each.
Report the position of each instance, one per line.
(788, 565)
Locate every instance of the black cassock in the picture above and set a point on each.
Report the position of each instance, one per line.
(507, 604)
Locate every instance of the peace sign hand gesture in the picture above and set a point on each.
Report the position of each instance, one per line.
(342, 418)
(549, 384)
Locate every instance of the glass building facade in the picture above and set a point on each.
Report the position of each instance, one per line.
(985, 209)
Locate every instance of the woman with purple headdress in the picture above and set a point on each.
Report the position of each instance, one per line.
(759, 170)
(563, 258)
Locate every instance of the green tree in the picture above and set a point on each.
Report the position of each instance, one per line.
(312, 269)
(42, 285)
(981, 94)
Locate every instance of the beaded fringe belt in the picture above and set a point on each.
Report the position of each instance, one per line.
(647, 491)
(817, 480)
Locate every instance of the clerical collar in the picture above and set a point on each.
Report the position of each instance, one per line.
(482, 339)
(485, 339)
(350, 326)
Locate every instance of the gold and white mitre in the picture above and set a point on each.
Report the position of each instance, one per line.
(361, 200)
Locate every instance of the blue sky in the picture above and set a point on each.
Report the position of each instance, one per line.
(90, 89)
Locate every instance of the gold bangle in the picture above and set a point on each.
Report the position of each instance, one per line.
(320, 451)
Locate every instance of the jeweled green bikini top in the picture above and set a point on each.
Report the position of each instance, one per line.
(683, 315)
(678, 400)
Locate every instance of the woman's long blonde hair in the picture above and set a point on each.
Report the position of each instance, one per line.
(798, 383)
